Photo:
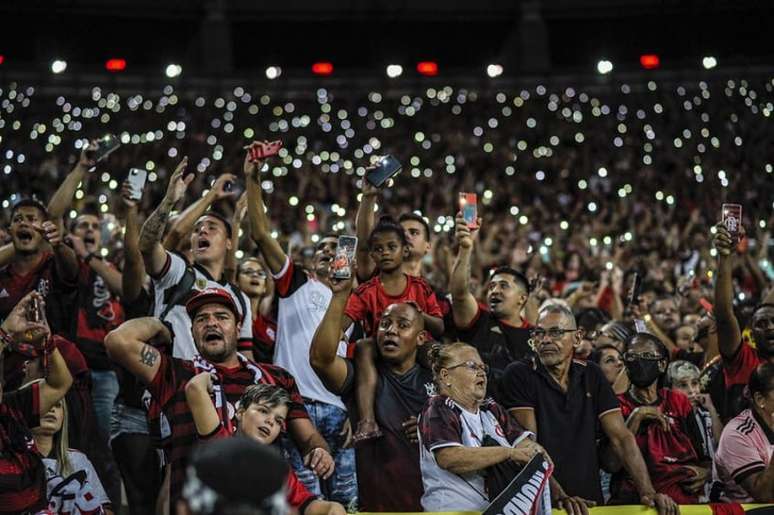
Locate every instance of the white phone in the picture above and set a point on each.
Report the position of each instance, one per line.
(137, 178)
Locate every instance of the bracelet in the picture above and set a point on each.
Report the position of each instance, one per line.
(5, 339)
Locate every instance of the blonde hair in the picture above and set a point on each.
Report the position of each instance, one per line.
(61, 439)
(442, 356)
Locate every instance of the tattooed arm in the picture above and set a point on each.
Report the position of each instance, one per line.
(153, 253)
(131, 345)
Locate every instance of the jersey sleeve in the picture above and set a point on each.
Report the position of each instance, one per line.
(439, 425)
(245, 342)
(164, 384)
(738, 369)
(219, 433)
(289, 279)
(26, 401)
(299, 497)
(432, 306)
(517, 387)
(356, 308)
(510, 426)
(738, 456)
(171, 273)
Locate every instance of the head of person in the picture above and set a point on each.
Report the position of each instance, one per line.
(324, 252)
(400, 332)
(26, 215)
(646, 359)
(665, 313)
(556, 335)
(590, 320)
(683, 376)
(417, 233)
(87, 228)
(610, 360)
(262, 411)
(573, 267)
(685, 338)
(762, 325)
(222, 479)
(761, 387)
(387, 245)
(252, 277)
(459, 372)
(613, 333)
(506, 292)
(54, 425)
(211, 238)
(215, 324)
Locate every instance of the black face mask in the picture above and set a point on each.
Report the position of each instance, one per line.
(642, 372)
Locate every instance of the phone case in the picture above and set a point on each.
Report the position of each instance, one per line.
(137, 178)
(106, 145)
(732, 218)
(263, 151)
(469, 208)
(387, 169)
(341, 268)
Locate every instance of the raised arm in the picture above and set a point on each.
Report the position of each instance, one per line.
(7, 252)
(260, 230)
(197, 396)
(133, 276)
(464, 305)
(240, 210)
(62, 198)
(152, 250)
(365, 220)
(183, 224)
(65, 260)
(729, 333)
(109, 274)
(331, 368)
(130, 345)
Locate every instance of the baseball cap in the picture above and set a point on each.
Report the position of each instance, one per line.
(209, 296)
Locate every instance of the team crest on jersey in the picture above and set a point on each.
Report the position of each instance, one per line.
(201, 283)
(318, 301)
(430, 389)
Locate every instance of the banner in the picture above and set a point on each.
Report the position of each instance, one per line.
(528, 493)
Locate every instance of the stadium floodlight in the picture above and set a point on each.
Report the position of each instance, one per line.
(173, 70)
(272, 72)
(58, 66)
(394, 70)
(604, 66)
(494, 70)
(709, 62)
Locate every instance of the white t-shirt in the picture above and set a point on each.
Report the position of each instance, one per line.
(80, 492)
(303, 302)
(164, 283)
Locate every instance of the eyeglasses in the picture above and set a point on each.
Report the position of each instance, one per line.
(472, 366)
(253, 273)
(646, 356)
(554, 333)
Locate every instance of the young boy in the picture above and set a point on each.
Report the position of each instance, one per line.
(261, 416)
(388, 248)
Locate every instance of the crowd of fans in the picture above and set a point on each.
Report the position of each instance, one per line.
(597, 312)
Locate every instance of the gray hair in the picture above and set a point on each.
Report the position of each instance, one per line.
(681, 369)
(555, 308)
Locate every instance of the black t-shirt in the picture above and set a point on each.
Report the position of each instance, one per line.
(499, 344)
(389, 478)
(567, 423)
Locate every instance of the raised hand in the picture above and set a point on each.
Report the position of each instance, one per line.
(178, 183)
(126, 195)
(464, 234)
(20, 327)
(78, 246)
(221, 184)
(51, 233)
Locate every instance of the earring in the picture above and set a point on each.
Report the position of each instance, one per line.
(448, 385)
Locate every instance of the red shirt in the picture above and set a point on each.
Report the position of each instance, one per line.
(369, 300)
(99, 312)
(298, 495)
(264, 335)
(168, 390)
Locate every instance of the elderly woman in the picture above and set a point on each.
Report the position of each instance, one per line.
(461, 433)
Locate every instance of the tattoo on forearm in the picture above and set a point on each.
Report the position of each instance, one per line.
(148, 355)
(154, 226)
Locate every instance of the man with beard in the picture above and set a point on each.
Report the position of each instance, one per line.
(303, 299)
(215, 328)
(211, 240)
(389, 477)
(565, 403)
(40, 262)
(738, 359)
(498, 331)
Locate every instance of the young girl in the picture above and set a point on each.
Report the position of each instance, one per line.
(254, 280)
(72, 484)
(260, 416)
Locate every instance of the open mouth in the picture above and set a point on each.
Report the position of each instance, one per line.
(213, 336)
(203, 245)
(480, 382)
(24, 236)
(390, 345)
(89, 240)
(264, 431)
(495, 301)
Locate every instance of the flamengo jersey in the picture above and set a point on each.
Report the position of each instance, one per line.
(303, 302)
(164, 284)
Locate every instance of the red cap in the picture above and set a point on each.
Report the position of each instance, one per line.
(209, 296)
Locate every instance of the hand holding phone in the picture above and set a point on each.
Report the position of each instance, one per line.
(386, 169)
(136, 180)
(103, 147)
(341, 268)
(260, 150)
(469, 209)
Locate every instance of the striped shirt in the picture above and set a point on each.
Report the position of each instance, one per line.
(168, 389)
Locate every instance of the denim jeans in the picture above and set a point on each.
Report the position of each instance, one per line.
(104, 389)
(342, 485)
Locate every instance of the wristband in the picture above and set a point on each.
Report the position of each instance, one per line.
(5, 339)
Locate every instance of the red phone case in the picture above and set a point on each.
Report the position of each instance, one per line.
(262, 151)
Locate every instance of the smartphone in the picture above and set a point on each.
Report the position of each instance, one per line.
(34, 310)
(634, 290)
(469, 209)
(732, 219)
(345, 255)
(262, 151)
(137, 178)
(387, 168)
(106, 145)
